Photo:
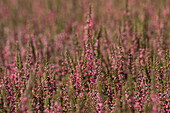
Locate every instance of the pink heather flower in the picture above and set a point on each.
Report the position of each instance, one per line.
(23, 100)
(155, 103)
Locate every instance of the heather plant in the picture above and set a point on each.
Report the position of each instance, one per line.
(105, 57)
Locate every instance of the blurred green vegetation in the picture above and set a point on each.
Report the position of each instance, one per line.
(55, 17)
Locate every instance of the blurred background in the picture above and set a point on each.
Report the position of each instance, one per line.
(60, 20)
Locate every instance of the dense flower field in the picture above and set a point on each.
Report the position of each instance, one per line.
(84, 56)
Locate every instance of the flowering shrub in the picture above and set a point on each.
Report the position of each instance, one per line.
(117, 62)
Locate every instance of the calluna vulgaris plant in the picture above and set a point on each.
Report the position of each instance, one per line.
(53, 64)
